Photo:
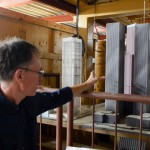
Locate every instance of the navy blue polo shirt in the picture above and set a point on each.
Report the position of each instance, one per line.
(18, 122)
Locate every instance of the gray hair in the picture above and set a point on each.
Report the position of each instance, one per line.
(14, 53)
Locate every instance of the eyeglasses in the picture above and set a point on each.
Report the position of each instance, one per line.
(41, 72)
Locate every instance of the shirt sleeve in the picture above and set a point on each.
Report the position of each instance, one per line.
(41, 102)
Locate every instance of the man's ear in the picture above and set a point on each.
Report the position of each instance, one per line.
(19, 77)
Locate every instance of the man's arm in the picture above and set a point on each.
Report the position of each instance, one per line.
(77, 90)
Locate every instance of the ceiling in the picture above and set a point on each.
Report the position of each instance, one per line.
(124, 11)
(53, 11)
(102, 11)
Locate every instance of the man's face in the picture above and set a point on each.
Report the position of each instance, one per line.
(32, 76)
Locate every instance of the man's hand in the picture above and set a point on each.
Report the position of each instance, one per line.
(85, 87)
(92, 79)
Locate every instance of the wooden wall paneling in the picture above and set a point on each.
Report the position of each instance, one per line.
(58, 69)
(54, 56)
(52, 82)
(57, 66)
(45, 81)
(47, 65)
(58, 36)
(41, 37)
(50, 54)
(11, 28)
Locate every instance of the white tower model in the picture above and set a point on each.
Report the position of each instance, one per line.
(72, 66)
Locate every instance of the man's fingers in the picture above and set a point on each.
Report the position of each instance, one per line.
(102, 78)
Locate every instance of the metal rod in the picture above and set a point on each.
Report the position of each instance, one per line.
(116, 120)
(70, 124)
(140, 136)
(144, 10)
(59, 129)
(122, 97)
(94, 15)
(77, 18)
(93, 111)
(40, 138)
(118, 97)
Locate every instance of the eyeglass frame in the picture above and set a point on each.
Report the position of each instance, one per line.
(41, 72)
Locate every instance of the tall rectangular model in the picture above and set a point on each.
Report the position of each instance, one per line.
(115, 49)
(141, 81)
(129, 66)
(72, 66)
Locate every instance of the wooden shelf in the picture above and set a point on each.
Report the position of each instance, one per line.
(85, 124)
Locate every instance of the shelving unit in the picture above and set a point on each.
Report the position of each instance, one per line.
(85, 124)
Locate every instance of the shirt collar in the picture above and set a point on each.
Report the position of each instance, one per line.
(7, 104)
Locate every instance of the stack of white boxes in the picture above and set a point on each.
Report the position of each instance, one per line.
(72, 67)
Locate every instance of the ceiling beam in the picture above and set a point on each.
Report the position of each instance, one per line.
(123, 20)
(103, 22)
(60, 5)
(5, 13)
(59, 18)
(115, 8)
(12, 3)
(74, 2)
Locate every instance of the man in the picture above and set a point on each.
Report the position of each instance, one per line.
(20, 75)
